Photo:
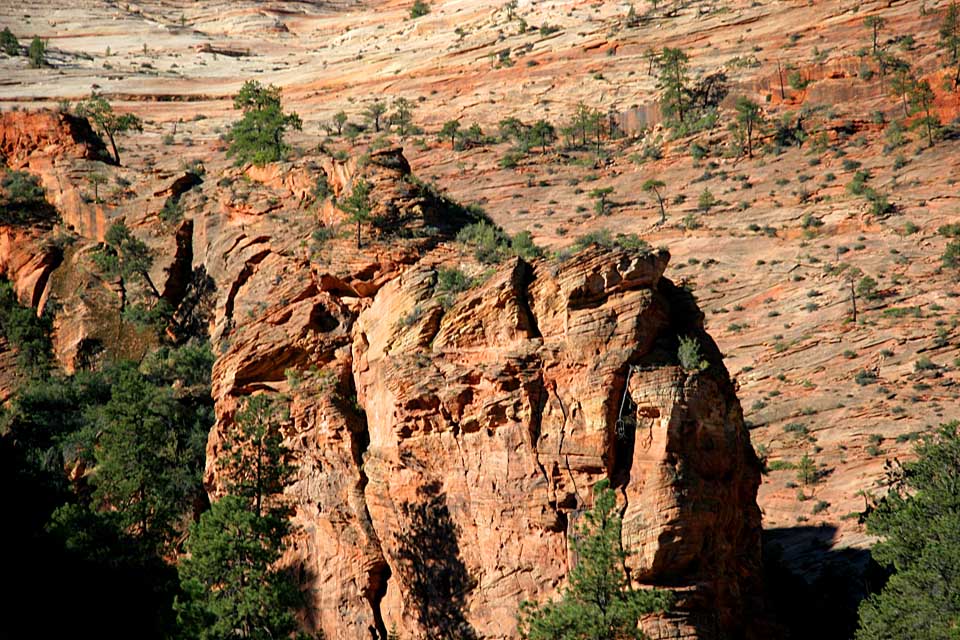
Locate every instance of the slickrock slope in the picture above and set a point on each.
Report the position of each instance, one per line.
(445, 454)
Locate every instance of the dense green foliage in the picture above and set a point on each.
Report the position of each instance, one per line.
(27, 333)
(37, 52)
(492, 245)
(919, 521)
(232, 588)
(23, 200)
(9, 43)
(106, 467)
(101, 114)
(419, 9)
(599, 603)
(258, 136)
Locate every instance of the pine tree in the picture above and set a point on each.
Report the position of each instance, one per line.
(599, 603)
(544, 132)
(673, 81)
(919, 521)
(101, 114)
(749, 118)
(258, 136)
(875, 24)
(232, 586)
(402, 116)
(37, 52)
(340, 119)
(123, 256)
(654, 187)
(141, 478)
(375, 112)
(357, 205)
(451, 129)
(950, 38)
(921, 101)
(9, 43)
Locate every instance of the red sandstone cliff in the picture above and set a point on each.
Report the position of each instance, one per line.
(446, 448)
(458, 446)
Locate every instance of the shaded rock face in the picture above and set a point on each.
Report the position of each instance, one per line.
(446, 454)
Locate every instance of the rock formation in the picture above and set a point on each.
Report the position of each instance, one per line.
(447, 445)
(445, 454)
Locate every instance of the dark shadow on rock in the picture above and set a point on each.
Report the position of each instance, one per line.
(814, 590)
(430, 565)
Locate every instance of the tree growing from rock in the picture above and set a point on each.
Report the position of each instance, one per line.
(601, 204)
(598, 603)
(9, 43)
(450, 129)
(654, 186)
(98, 110)
(125, 257)
(231, 583)
(544, 133)
(95, 180)
(901, 83)
(875, 24)
(921, 100)
(258, 136)
(358, 205)
(37, 52)
(749, 117)
(419, 9)
(340, 119)
(402, 116)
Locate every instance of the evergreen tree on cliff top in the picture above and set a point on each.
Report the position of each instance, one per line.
(920, 523)
(598, 603)
(233, 588)
(258, 136)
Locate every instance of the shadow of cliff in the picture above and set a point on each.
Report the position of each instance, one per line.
(814, 590)
(429, 556)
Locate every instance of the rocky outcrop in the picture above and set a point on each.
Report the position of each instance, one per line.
(446, 454)
(26, 134)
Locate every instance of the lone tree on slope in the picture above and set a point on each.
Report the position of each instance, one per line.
(654, 187)
(358, 206)
(258, 136)
(101, 114)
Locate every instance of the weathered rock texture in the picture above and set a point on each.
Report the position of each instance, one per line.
(445, 455)
(446, 446)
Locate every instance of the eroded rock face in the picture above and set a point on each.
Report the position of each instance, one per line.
(446, 454)
(27, 134)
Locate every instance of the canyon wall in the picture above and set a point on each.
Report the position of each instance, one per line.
(447, 444)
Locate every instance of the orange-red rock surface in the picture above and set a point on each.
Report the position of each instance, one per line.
(769, 283)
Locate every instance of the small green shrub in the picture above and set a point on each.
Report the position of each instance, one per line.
(419, 9)
(689, 354)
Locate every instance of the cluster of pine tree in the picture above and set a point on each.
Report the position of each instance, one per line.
(109, 526)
